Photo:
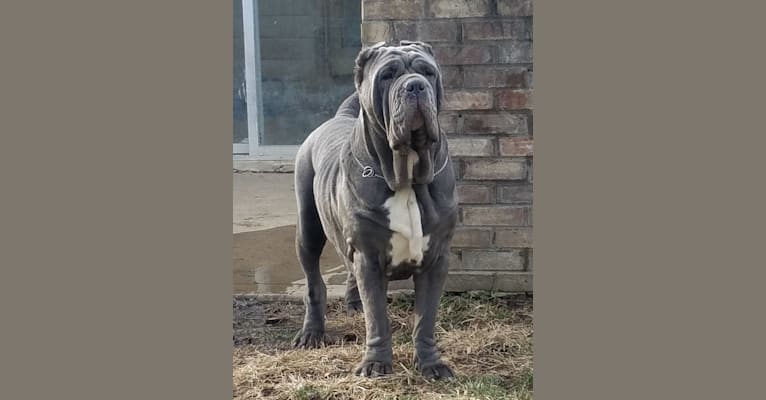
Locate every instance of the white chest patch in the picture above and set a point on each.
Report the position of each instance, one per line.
(407, 242)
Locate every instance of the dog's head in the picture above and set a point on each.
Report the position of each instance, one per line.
(400, 90)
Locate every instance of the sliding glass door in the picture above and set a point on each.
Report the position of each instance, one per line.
(293, 63)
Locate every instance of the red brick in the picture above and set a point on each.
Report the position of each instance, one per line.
(515, 146)
(455, 263)
(502, 122)
(515, 53)
(501, 281)
(514, 99)
(515, 193)
(474, 194)
(470, 147)
(461, 281)
(448, 122)
(457, 169)
(515, 29)
(516, 8)
(376, 31)
(459, 55)
(495, 216)
(514, 237)
(392, 9)
(452, 77)
(460, 8)
(530, 253)
(467, 100)
(513, 282)
(514, 260)
(488, 76)
(426, 31)
(497, 169)
(472, 237)
(530, 171)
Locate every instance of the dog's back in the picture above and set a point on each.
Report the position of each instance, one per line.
(326, 139)
(349, 107)
(317, 168)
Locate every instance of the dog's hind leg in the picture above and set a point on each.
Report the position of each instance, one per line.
(309, 242)
(353, 301)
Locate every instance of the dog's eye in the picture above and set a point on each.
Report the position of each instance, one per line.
(387, 75)
(429, 73)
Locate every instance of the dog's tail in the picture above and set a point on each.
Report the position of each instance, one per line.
(349, 107)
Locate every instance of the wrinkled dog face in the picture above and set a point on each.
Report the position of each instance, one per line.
(400, 90)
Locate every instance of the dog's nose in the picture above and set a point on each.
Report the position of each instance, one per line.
(415, 85)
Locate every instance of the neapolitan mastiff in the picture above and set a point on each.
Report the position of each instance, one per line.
(377, 181)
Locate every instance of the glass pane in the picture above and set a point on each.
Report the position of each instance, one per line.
(240, 98)
(307, 51)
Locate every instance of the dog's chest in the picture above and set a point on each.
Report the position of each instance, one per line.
(407, 241)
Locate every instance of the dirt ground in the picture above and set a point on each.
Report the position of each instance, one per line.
(487, 339)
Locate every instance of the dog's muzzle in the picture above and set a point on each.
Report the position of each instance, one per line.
(413, 128)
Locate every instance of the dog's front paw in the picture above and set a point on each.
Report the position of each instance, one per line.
(309, 339)
(436, 370)
(369, 368)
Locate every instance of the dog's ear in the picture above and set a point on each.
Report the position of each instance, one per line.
(365, 55)
(439, 90)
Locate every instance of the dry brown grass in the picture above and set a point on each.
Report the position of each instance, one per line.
(486, 339)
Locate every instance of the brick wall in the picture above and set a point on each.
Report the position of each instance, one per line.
(485, 50)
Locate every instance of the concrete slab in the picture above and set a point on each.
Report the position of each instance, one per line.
(264, 262)
(263, 201)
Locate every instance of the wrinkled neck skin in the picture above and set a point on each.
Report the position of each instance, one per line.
(369, 144)
(368, 136)
(403, 142)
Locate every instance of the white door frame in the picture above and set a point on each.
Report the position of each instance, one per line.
(254, 150)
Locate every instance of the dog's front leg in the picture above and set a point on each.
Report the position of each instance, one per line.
(372, 283)
(428, 290)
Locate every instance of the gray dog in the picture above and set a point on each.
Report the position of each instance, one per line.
(377, 181)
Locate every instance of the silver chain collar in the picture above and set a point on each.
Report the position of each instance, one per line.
(369, 172)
